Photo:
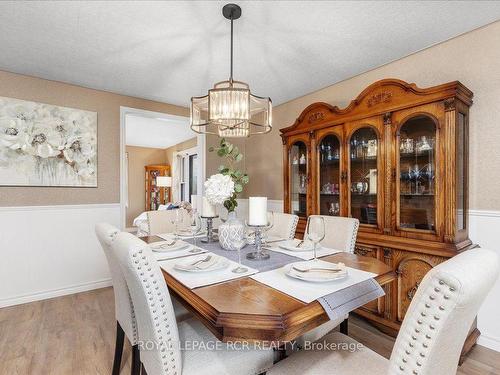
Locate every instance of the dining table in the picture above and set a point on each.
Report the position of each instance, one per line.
(244, 309)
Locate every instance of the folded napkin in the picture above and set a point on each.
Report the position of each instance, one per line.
(171, 236)
(307, 254)
(167, 246)
(325, 271)
(178, 253)
(202, 262)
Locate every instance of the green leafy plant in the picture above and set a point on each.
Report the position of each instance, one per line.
(232, 155)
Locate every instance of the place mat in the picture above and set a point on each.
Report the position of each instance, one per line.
(342, 302)
(177, 253)
(275, 261)
(310, 291)
(306, 255)
(198, 279)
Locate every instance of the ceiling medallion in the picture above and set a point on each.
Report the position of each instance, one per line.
(230, 110)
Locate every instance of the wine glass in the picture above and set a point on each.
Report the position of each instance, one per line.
(238, 240)
(270, 224)
(195, 227)
(315, 231)
(175, 218)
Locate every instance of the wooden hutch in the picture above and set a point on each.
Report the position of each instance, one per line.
(155, 195)
(396, 158)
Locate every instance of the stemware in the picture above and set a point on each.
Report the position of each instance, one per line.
(238, 240)
(195, 227)
(315, 231)
(270, 224)
(174, 220)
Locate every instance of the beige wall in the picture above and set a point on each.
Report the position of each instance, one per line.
(169, 152)
(107, 106)
(473, 59)
(138, 157)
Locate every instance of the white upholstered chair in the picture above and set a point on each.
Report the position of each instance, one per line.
(340, 234)
(161, 221)
(433, 332)
(162, 335)
(124, 310)
(284, 225)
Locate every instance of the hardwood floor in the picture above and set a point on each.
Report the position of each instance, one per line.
(75, 335)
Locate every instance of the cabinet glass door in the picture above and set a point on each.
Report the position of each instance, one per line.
(329, 176)
(298, 178)
(417, 166)
(363, 154)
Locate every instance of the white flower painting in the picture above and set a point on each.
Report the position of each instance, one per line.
(46, 145)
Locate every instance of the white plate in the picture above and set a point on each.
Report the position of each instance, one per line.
(314, 276)
(292, 246)
(184, 265)
(163, 247)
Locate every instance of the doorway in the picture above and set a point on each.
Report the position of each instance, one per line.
(164, 145)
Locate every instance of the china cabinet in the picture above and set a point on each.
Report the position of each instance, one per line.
(155, 195)
(396, 159)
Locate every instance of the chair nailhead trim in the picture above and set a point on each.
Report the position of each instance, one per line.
(441, 282)
(437, 290)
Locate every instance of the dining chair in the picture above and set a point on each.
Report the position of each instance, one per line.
(284, 225)
(161, 221)
(340, 234)
(162, 338)
(433, 331)
(124, 309)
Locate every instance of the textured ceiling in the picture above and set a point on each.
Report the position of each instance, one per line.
(156, 132)
(170, 51)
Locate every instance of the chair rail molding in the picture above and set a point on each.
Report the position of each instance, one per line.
(51, 251)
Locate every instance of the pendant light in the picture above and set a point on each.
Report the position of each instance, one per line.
(230, 110)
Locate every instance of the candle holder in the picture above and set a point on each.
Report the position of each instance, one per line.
(259, 254)
(210, 231)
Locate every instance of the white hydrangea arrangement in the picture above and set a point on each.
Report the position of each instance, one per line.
(219, 188)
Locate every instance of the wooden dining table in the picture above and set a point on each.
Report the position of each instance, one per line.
(244, 309)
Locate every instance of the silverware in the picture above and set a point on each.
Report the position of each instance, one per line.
(201, 261)
(300, 244)
(316, 269)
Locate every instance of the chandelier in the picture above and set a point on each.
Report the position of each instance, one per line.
(230, 110)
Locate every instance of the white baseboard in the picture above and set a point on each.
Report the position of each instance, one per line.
(50, 251)
(39, 296)
(489, 342)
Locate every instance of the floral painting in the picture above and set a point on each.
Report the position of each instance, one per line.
(46, 145)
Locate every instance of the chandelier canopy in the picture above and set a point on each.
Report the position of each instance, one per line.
(230, 110)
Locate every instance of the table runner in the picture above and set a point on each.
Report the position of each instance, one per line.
(275, 261)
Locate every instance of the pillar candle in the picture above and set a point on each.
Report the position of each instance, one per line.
(208, 209)
(257, 211)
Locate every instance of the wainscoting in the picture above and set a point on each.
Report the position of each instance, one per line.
(49, 251)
